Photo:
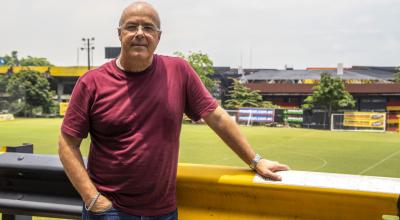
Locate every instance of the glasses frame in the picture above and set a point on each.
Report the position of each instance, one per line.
(148, 29)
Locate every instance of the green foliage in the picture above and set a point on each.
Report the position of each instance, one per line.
(3, 84)
(13, 60)
(203, 66)
(241, 96)
(33, 88)
(330, 94)
(397, 75)
(34, 61)
(268, 104)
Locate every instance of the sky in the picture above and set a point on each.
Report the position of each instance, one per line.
(251, 34)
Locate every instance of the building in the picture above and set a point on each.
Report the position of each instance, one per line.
(373, 88)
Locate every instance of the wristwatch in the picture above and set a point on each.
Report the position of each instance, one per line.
(255, 161)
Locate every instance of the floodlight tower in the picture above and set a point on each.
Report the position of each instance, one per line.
(88, 45)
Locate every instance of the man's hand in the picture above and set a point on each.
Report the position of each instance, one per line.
(102, 204)
(72, 160)
(267, 168)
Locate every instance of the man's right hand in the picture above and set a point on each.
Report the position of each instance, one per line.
(102, 204)
(267, 168)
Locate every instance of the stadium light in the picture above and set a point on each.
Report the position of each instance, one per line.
(88, 46)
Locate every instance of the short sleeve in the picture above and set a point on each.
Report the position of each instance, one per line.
(199, 102)
(76, 121)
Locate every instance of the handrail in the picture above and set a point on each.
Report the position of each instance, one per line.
(27, 184)
(212, 192)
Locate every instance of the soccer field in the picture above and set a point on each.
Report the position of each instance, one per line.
(376, 154)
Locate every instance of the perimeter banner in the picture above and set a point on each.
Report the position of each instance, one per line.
(63, 108)
(365, 119)
(256, 115)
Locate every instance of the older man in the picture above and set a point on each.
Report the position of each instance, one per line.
(132, 107)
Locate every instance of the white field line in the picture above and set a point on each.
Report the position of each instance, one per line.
(379, 162)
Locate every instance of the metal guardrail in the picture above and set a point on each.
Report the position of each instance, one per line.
(36, 185)
(210, 192)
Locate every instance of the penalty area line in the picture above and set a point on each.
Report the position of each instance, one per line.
(379, 162)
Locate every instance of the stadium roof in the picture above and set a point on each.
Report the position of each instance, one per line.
(377, 73)
(348, 74)
(354, 73)
(306, 89)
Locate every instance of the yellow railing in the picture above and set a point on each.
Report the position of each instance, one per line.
(210, 192)
(70, 71)
(41, 69)
(3, 149)
(4, 69)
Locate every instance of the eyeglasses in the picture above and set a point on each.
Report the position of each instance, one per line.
(146, 28)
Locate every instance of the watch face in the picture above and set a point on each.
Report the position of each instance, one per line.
(255, 161)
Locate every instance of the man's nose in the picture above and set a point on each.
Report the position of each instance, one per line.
(139, 32)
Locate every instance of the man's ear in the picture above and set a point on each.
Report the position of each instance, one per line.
(119, 32)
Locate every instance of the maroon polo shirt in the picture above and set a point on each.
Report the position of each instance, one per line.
(134, 121)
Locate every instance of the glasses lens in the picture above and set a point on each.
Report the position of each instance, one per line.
(147, 29)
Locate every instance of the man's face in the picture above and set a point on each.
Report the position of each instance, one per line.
(139, 33)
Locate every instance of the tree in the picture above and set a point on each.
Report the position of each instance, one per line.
(241, 96)
(397, 75)
(13, 60)
(203, 66)
(34, 61)
(33, 88)
(330, 94)
(3, 84)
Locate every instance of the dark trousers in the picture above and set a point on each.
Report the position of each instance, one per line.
(114, 214)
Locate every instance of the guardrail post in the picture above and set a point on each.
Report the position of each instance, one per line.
(24, 148)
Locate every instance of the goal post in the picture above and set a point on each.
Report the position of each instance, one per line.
(359, 121)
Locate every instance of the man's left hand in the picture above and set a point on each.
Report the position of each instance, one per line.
(267, 168)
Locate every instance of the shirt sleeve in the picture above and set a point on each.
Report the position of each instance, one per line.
(76, 121)
(199, 102)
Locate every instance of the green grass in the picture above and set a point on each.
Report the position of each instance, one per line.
(376, 154)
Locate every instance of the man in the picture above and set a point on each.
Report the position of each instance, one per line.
(132, 107)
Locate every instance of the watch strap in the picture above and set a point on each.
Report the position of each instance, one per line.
(255, 161)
